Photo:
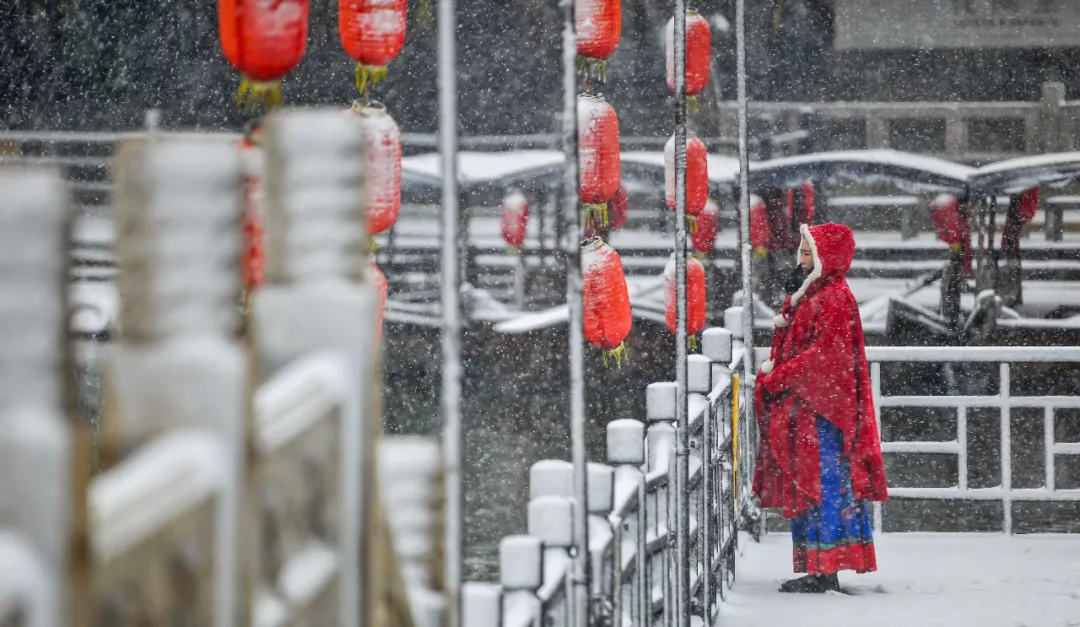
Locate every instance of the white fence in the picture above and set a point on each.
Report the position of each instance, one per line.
(1004, 401)
(632, 517)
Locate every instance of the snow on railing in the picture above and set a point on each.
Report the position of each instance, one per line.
(632, 514)
(1004, 401)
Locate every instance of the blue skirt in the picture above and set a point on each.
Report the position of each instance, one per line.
(837, 535)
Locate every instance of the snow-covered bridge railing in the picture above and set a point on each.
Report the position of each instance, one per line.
(1004, 400)
(633, 515)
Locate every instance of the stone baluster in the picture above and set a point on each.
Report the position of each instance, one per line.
(551, 520)
(626, 453)
(521, 573)
(35, 443)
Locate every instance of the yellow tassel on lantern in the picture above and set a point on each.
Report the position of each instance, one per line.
(693, 102)
(761, 252)
(252, 92)
(369, 76)
(692, 221)
(593, 210)
(618, 354)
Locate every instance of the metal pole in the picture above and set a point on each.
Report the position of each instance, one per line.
(682, 447)
(744, 200)
(572, 244)
(453, 522)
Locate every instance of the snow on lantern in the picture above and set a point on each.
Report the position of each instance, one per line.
(618, 206)
(382, 288)
(599, 27)
(697, 177)
(372, 33)
(264, 41)
(708, 225)
(760, 231)
(383, 143)
(515, 219)
(607, 314)
(598, 150)
(253, 255)
(695, 298)
(698, 54)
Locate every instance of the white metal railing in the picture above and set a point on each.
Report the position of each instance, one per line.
(632, 513)
(1004, 401)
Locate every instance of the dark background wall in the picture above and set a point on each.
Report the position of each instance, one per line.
(99, 64)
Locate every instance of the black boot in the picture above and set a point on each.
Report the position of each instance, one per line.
(812, 584)
(807, 584)
(829, 583)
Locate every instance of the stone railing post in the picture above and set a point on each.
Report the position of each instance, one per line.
(660, 399)
(601, 500)
(317, 296)
(481, 604)
(521, 573)
(551, 520)
(35, 443)
(626, 452)
(1051, 118)
(551, 477)
(177, 360)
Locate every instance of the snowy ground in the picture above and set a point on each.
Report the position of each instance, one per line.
(924, 580)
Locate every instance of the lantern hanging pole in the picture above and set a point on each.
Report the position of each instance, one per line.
(453, 522)
(572, 246)
(744, 200)
(682, 448)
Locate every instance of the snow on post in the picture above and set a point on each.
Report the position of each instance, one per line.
(698, 374)
(626, 442)
(481, 604)
(551, 477)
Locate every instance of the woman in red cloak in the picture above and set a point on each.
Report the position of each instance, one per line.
(819, 457)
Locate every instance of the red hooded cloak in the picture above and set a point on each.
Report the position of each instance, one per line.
(817, 367)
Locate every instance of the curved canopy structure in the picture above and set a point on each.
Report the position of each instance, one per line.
(913, 173)
(1016, 175)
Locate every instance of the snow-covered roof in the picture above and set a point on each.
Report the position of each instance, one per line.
(905, 170)
(723, 170)
(1021, 173)
(504, 168)
(478, 168)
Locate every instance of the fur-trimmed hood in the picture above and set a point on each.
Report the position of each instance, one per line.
(833, 249)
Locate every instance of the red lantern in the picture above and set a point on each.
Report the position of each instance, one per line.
(598, 149)
(948, 222)
(382, 288)
(607, 313)
(515, 219)
(1029, 205)
(372, 33)
(599, 26)
(253, 255)
(263, 41)
(698, 53)
(383, 142)
(697, 175)
(695, 296)
(807, 203)
(618, 206)
(760, 232)
(708, 225)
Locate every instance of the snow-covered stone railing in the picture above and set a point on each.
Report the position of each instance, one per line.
(35, 445)
(632, 515)
(299, 431)
(1004, 401)
(163, 520)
